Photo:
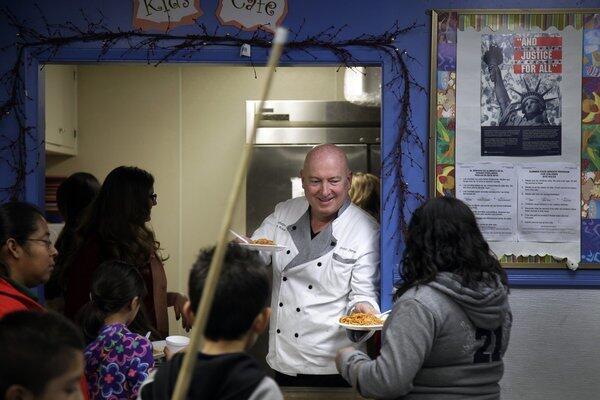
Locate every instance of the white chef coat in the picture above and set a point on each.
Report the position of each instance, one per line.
(314, 285)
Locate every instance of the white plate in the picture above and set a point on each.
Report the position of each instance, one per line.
(363, 327)
(272, 248)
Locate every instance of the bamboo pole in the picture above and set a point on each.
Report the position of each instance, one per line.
(202, 313)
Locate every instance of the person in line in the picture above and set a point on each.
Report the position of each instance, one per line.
(74, 194)
(26, 260)
(364, 192)
(117, 360)
(115, 228)
(451, 321)
(239, 314)
(26, 256)
(42, 357)
(330, 269)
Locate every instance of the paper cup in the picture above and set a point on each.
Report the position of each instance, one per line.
(177, 343)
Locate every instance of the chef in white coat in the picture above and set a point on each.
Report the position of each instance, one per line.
(330, 268)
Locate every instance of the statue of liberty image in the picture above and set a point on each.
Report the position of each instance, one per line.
(530, 109)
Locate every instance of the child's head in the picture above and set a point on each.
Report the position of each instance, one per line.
(443, 236)
(364, 192)
(42, 357)
(117, 288)
(240, 303)
(26, 252)
(74, 194)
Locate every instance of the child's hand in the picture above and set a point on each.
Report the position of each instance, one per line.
(180, 301)
(168, 353)
(340, 356)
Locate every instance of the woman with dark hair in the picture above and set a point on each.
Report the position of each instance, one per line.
(74, 194)
(26, 259)
(26, 256)
(117, 360)
(114, 228)
(450, 324)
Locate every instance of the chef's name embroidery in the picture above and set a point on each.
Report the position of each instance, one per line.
(347, 249)
(282, 226)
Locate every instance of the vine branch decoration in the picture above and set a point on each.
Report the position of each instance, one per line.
(45, 44)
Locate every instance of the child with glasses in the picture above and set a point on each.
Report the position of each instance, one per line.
(26, 256)
(26, 260)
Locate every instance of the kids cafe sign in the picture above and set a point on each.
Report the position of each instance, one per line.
(164, 14)
(251, 15)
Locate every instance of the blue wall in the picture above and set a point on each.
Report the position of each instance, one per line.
(361, 17)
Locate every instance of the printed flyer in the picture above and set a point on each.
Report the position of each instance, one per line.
(521, 75)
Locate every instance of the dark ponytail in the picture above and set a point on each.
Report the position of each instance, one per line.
(114, 285)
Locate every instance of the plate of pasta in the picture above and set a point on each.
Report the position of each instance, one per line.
(363, 322)
(263, 244)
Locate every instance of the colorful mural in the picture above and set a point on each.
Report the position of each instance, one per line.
(590, 100)
(590, 141)
(591, 46)
(445, 143)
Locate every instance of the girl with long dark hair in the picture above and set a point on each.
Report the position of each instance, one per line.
(117, 360)
(73, 196)
(26, 256)
(114, 228)
(450, 324)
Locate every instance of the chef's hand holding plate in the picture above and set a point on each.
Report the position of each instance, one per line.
(363, 307)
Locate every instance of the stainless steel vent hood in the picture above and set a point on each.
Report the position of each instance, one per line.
(312, 122)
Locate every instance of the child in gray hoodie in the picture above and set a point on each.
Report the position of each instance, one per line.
(450, 324)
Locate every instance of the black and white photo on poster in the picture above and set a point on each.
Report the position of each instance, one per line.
(521, 76)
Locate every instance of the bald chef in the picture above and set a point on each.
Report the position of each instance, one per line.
(330, 268)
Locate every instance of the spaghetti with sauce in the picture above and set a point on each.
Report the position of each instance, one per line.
(361, 319)
(263, 241)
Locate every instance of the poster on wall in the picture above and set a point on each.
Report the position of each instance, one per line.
(490, 190)
(521, 76)
(524, 97)
(548, 202)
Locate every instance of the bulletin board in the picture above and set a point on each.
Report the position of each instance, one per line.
(515, 130)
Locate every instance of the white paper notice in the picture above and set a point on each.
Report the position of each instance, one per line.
(490, 190)
(549, 202)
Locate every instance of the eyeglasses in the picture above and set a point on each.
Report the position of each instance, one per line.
(47, 242)
(154, 198)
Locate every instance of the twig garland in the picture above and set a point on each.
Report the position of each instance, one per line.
(164, 47)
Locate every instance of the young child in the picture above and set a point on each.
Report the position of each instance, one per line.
(26, 256)
(239, 314)
(117, 361)
(450, 325)
(42, 357)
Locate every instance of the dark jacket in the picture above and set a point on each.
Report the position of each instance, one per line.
(234, 376)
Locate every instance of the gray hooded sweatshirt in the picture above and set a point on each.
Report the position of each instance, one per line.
(442, 341)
